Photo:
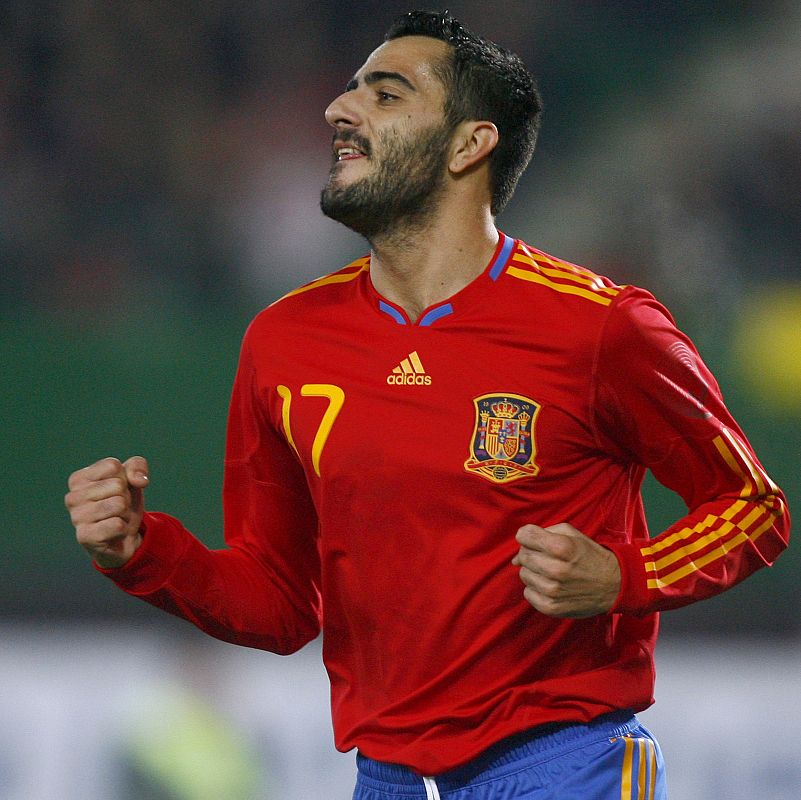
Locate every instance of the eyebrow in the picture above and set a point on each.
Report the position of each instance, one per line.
(380, 75)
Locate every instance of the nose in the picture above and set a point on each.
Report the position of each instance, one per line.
(343, 111)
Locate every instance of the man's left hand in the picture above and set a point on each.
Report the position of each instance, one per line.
(566, 574)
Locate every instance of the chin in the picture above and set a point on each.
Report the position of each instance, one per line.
(356, 169)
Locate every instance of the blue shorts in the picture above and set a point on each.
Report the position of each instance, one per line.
(610, 758)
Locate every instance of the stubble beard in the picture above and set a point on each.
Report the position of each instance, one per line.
(403, 193)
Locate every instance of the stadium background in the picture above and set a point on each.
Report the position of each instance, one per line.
(160, 165)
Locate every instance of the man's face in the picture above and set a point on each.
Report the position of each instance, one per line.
(391, 141)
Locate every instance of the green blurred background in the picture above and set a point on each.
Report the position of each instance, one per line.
(160, 166)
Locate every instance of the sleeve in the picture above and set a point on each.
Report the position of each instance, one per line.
(262, 590)
(657, 405)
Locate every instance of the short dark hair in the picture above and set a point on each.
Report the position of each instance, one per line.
(484, 81)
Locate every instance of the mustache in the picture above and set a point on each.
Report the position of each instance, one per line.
(352, 138)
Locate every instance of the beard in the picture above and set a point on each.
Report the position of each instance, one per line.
(401, 194)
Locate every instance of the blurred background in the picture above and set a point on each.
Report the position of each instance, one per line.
(160, 167)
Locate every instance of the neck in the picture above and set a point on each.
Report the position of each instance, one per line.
(418, 268)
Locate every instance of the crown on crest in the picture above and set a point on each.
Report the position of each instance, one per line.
(504, 409)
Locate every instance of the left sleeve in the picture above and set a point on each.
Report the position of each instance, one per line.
(263, 589)
(657, 404)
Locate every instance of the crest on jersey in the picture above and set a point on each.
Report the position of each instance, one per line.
(503, 447)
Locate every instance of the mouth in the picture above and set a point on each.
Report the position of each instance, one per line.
(348, 153)
(350, 149)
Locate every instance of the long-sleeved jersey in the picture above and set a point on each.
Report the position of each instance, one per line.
(377, 470)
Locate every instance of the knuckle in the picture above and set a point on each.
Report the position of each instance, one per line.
(98, 471)
(88, 535)
(560, 572)
(136, 462)
(108, 467)
(80, 477)
(564, 549)
(549, 606)
(115, 505)
(115, 526)
(118, 485)
(78, 510)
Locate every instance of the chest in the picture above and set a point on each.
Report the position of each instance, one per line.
(510, 407)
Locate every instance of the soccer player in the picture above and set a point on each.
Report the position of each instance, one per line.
(434, 457)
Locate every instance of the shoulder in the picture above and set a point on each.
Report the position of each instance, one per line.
(572, 286)
(334, 290)
(333, 280)
(559, 280)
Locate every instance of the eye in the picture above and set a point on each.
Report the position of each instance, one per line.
(385, 96)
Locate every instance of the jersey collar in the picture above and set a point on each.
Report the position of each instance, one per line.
(433, 314)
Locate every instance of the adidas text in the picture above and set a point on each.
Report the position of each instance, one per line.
(409, 380)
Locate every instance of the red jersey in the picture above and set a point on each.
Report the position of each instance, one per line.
(377, 470)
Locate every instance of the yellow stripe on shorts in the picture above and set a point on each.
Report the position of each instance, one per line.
(628, 769)
(646, 770)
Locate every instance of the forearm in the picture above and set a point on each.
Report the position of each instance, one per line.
(659, 406)
(713, 548)
(229, 594)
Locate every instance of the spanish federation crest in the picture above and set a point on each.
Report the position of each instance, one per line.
(503, 446)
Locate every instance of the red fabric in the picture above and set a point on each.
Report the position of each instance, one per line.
(403, 549)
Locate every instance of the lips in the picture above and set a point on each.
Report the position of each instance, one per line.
(347, 148)
(348, 153)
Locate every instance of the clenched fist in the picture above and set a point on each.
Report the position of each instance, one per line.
(566, 574)
(106, 505)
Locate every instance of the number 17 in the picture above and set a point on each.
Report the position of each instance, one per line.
(336, 399)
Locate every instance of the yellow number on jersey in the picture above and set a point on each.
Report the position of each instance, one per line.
(336, 399)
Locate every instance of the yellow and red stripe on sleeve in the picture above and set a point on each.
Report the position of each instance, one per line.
(344, 275)
(534, 266)
(692, 548)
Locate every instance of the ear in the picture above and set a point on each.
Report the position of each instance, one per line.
(473, 141)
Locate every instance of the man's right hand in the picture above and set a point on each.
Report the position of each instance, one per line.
(106, 505)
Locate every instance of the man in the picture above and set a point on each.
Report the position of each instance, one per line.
(435, 454)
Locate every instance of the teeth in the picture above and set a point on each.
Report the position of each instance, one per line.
(348, 151)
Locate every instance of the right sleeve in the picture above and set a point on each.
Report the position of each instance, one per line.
(659, 406)
(262, 590)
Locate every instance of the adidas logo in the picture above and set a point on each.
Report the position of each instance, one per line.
(410, 372)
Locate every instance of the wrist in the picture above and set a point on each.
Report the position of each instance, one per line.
(118, 554)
